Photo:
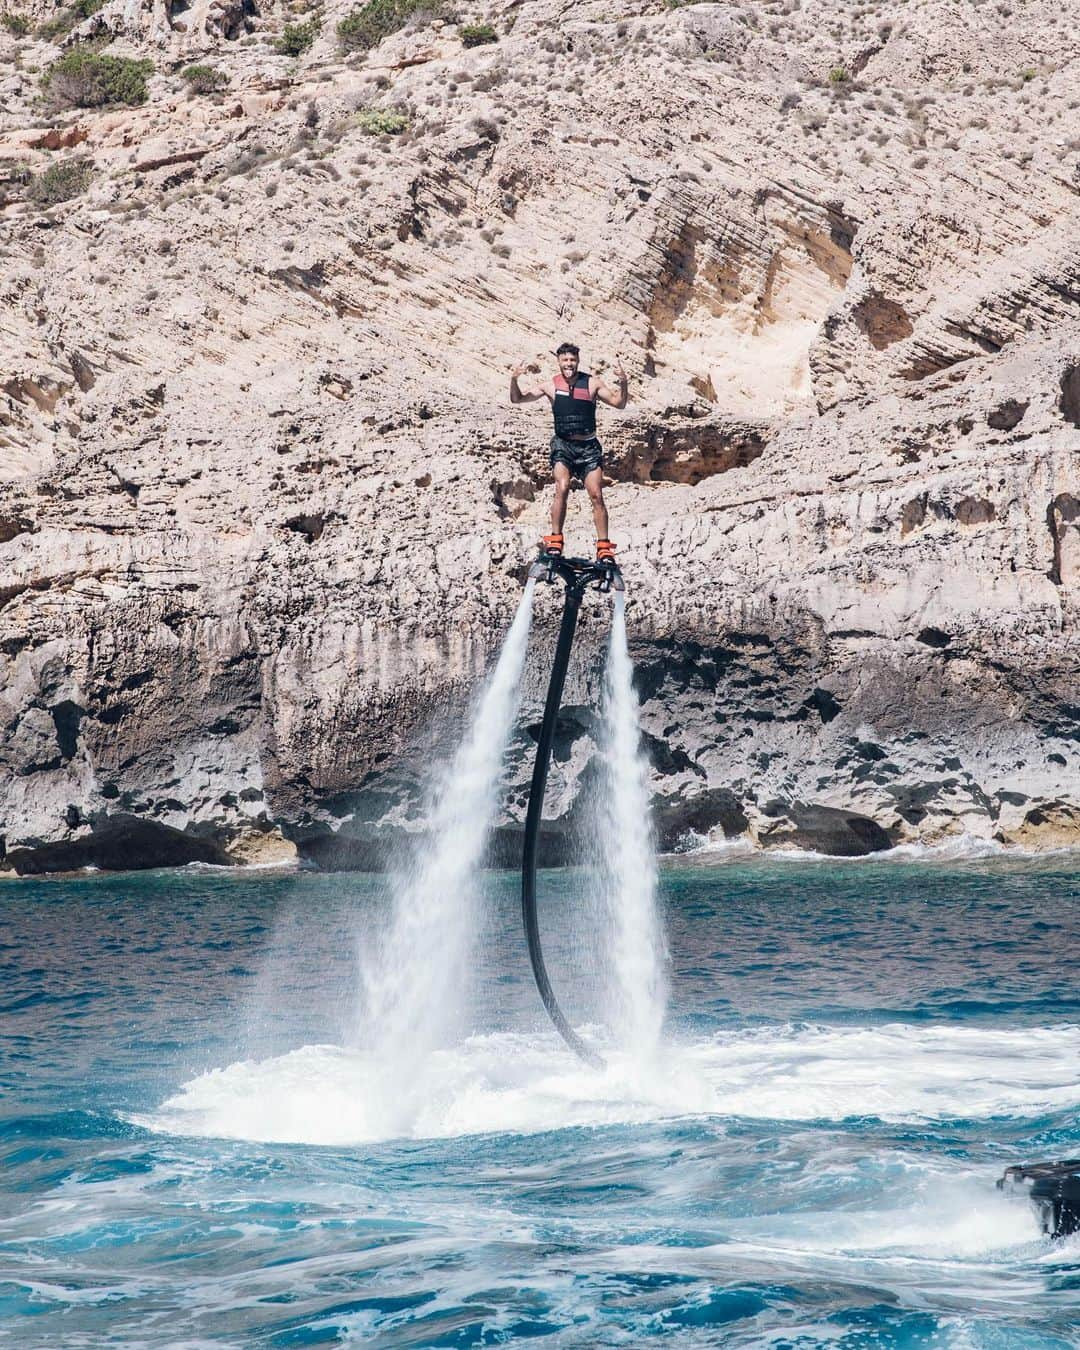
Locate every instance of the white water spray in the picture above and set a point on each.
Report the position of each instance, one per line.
(628, 874)
(414, 984)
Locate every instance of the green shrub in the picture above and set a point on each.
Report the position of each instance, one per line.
(838, 75)
(366, 27)
(1028, 74)
(64, 22)
(69, 17)
(16, 24)
(377, 122)
(475, 34)
(86, 78)
(13, 174)
(204, 79)
(296, 38)
(60, 181)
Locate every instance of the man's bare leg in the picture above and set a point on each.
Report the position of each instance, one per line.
(562, 492)
(594, 486)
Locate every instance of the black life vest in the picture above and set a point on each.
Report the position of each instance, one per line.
(574, 408)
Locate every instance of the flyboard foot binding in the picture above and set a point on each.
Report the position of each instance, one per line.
(551, 549)
(605, 560)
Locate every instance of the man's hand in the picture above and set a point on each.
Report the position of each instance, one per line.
(614, 398)
(517, 394)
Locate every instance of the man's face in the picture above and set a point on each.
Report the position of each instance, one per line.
(568, 364)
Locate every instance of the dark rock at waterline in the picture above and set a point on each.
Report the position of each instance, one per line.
(387, 848)
(342, 852)
(700, 813)
(824, 829)
(555, 847)
(118, 843)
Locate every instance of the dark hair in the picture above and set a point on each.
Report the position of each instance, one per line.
(567, 347)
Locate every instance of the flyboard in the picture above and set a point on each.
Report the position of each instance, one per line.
(577, 575)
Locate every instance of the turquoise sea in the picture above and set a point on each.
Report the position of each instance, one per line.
(195, 1152)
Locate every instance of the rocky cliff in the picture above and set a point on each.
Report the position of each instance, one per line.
(265, 509)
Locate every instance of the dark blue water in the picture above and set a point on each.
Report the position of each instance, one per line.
(195, 1151)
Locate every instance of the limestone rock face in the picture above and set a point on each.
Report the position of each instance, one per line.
(265, 509)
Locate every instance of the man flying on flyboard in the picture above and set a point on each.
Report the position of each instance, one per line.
(575, 451)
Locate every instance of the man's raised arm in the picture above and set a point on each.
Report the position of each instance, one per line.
(517, 394)
(613, 398)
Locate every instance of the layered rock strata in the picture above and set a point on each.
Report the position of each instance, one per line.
(265, 511)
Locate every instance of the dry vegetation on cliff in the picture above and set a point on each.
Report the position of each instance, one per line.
(262, 504)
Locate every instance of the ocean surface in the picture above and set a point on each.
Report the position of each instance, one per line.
(197, 1150)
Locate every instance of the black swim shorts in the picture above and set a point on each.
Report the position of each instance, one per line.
(580, 457)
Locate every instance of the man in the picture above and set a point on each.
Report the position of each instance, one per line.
(575, 451)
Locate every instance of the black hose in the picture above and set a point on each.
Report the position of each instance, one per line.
(567, 628)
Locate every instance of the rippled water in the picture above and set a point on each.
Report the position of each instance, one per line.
(196, 1149)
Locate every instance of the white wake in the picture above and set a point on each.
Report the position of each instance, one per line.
(324, 1094)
